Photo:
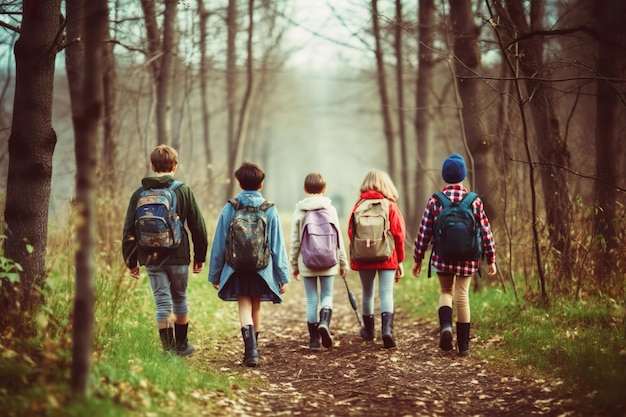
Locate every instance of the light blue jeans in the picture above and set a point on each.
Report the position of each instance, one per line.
(169, 287)
(386, 279)
(312, 298)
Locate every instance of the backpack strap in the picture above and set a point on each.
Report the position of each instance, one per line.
(469, 199)
(174, 185)
(265, 205)
(443, 199)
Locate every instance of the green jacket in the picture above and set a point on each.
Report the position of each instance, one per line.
(189, 213)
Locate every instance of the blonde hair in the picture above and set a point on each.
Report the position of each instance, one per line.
(380, 181)
(164, 158)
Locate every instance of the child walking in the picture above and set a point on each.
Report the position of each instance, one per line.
(168, 269)
(378, 185)
(454, 275)
(315, 187)
(249, 287)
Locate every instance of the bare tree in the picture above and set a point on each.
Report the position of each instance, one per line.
(86, 137)
(423, 98)
(204, 98)
(553, 152)
(401, 113)
(381, 78)
(31, 146)
(467, 67)
(161, 53)
(610, 125)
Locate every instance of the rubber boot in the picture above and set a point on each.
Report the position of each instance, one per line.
(314, 342)
(462, 338)
(167, 339)
(183, 347)
(445, 328)
(367, 331)
(251, 354)
(387, 331)
(323, 327)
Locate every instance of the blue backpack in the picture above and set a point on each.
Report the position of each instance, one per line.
(456, 233)
(157, 223)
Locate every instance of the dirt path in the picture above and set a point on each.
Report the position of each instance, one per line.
(357, 378)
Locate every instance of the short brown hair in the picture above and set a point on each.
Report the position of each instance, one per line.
(314, 183)
(250, 176)
(164, 158)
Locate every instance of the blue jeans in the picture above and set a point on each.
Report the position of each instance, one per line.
(169, 287)
(386, 279)
(312, 299)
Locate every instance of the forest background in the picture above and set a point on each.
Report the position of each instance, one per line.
(531, 92)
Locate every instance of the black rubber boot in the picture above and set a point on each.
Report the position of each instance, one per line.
(323, 327)
(183, 347)
(251, 354)
(445, 328)
(314, 342)
(167, 339)
(462, 338)
(387, 331)
(367, 331)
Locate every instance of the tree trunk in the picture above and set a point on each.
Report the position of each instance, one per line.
(231, 79)
(383, 93)
(407, 194)
(467, 66)
(552, 149)
(610, 125)
(85, 144)
(31, 146)
(206, 127)
(164, 82)
(423, 151)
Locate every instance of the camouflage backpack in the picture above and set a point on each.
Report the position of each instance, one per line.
(247, 243)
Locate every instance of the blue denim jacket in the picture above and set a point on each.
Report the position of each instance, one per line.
(276, 273)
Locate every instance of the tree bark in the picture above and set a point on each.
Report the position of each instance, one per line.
(204, 91)
(610, 125)
(423, 96)
(467, 67)
(381, 78)
(164, 82)
(552, 149)
(31, 146)
(231, 79)
(86, 137)
(407, 194)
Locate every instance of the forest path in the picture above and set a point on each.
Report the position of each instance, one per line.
(357, 378)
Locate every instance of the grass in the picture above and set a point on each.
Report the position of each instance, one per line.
(579, 343)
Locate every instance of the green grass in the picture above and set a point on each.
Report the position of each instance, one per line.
(582, 343)
(579, 343)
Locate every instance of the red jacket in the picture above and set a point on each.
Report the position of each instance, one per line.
(396, 222)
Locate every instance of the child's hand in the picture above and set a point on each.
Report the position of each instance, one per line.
(343, 272)
(197, 267)
(399, 272)
(296, 275)
(417, 268)
(134, 272)
(492, 269)
(283, 288)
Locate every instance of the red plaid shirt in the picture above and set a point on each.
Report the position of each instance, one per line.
(433, 208)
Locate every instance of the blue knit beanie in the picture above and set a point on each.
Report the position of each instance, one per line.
(453, 170)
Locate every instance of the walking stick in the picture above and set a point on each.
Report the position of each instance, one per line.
(353, 303)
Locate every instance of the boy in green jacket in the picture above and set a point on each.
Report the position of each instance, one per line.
(168, 268)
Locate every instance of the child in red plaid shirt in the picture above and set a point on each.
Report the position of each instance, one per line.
(454, 172)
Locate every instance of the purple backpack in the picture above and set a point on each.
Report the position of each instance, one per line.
(319, 240)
